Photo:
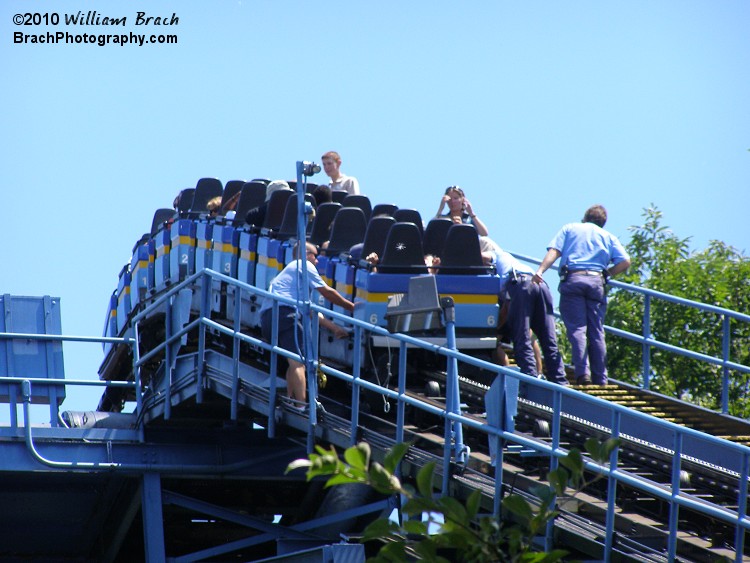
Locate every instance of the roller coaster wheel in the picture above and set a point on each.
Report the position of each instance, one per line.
(432, 389)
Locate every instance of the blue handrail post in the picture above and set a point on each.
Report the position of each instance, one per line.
(725, 341)
(453, 431)
(305, 169)
(168, 373)
(646, 344)
(356, 391)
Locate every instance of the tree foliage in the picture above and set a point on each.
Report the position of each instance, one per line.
(463, 533)
(718, 275)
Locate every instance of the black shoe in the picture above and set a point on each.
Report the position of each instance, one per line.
(584, 380)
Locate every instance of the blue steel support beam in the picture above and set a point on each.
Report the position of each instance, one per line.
(153, 518)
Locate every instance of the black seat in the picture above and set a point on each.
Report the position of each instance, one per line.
(376, 234)
(276, 208)
(409, 216)
(288, 228)
(461, 253)
(403, 252)
(253, 194)
(232, 188)
(384, 209)
(310, 187)
(339, 195)
(434, 235)
(185, 200)
(161, 216)
(205, 190)
(348, 229)
(321, 227)
(360, 201)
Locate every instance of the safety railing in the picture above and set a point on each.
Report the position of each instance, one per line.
(21, 387)
(648, 342)
(455, 422)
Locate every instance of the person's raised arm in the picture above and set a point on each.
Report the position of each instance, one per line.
(443, 200)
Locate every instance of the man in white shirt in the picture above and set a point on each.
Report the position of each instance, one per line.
(286, 284)
(331, 165)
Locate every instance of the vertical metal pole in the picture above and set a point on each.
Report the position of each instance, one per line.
(153, 519)
(356, 392)
(51, 390)
(611, 491)
(401, 406)
(168, 330)
(726, 338)
(646, 346)
(205, 312)
(739, 531)
(674, 507)
(236, 354)
(137, 378)
(453, 430)
(303, 306)
(553, 461)
(273, 369)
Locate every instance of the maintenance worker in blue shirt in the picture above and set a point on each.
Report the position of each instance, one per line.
(530, 308)
(587, 251)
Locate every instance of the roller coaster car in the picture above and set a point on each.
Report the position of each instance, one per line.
(179, 246)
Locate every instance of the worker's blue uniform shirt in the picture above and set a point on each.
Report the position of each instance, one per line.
(285, 284)
(505, 263)
(586, 246)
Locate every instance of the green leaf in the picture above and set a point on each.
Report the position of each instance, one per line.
(453, 509)
(518, 505)
(558, 480)
(415, 527)
(574, 461)
(342, 479)
(358, 456)
(424, 480)
(379, 529)
(383, 481)
(473, 503)
(395, 455)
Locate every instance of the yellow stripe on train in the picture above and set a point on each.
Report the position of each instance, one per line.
(224, 247)
(248, 255)
(458, 299)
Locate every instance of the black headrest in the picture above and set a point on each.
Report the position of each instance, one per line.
(384, 209)
(348, 229)
(205, 190)
(409, 216)
(434, 235)
(360, 201)
(403, 252)
(461, 253)
(376, 235)
(321, 228)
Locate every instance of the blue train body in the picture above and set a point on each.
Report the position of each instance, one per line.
(192, 241)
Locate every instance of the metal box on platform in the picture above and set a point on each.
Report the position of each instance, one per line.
(28, 357)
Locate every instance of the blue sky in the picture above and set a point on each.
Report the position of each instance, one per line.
(537, 109)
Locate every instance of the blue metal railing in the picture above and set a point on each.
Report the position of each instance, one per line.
(672, 494)
(648, 342)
